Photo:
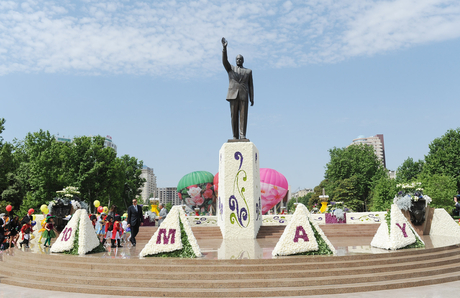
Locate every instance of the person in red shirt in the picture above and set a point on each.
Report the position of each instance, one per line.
(108, 228)
(26, 230)
(117, 231)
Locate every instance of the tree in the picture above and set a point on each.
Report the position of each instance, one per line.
(346, 191)
(7, 163)
(304, 200)
(444, 156)
(317, 191)
(384, 192)
(132, 169)
(409, 170)
(360, 168)
(95, 170)
(168, 206)
(441, 189)
(44, 167)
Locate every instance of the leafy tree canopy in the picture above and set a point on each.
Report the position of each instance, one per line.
(352, 173)
(32, 170)
(444, 156)
(384, 192)
(304, 200)
(409, 170)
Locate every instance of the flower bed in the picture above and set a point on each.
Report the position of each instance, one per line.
(332, 219)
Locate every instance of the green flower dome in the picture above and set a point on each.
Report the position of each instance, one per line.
(193, 178)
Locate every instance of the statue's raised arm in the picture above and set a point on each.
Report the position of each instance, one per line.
(225, 62)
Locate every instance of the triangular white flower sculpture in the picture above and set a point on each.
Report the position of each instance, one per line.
(401, 233)
(167, 237)
(87, 238)
(298, 236)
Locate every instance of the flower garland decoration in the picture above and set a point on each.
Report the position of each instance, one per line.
(69, 191)
(410, 192)
(303, 236)
(396, 232)
(78, 236)
(174, 238)
(87, 240)
(65, 241)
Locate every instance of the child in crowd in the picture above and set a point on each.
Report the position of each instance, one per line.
(108, 228)
(93, 219)
(3, 230)
(117, 231)
(26, 230)
(49, 230)
(126, 231)
(100, 227)
(14, 228)
(43, 224)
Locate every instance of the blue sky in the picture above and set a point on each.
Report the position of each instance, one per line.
(149, 74)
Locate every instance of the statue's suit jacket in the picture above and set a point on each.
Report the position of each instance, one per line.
(240, 81)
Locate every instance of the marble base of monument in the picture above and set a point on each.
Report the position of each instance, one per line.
(239, 201)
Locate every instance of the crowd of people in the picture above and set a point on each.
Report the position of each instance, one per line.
(108, 226)
(11, 228)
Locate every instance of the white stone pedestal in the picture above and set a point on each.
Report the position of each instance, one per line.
(239, 204)
(231, 249)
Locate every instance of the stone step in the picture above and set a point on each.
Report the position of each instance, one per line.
(196, 281)
(216, 266)
(382, 270)
(282, 261)
(302, 289)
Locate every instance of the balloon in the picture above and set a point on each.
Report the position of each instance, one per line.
(273, 188)
(43, 208)
(31, 210)
(100, 209)
(34, 223)
(216, 183)
(97, 203)
(196, 190)
(46, 211)
(106, 210)
(195, 178)
(9, 208)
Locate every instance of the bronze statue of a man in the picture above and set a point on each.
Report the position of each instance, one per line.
(240, 89)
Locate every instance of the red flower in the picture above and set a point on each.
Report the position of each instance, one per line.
(207, 194)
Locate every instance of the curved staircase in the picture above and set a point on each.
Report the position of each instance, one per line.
(288, 276)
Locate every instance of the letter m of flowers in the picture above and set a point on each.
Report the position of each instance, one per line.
(300, 233)
(166, 239)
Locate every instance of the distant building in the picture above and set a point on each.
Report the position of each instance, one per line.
(168, 195)
(63, 139)
(150, 186)
(376, 142)
(302, 192)
(107, 141)
(392, 174)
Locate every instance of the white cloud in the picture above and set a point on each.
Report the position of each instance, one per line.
(182, 39)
